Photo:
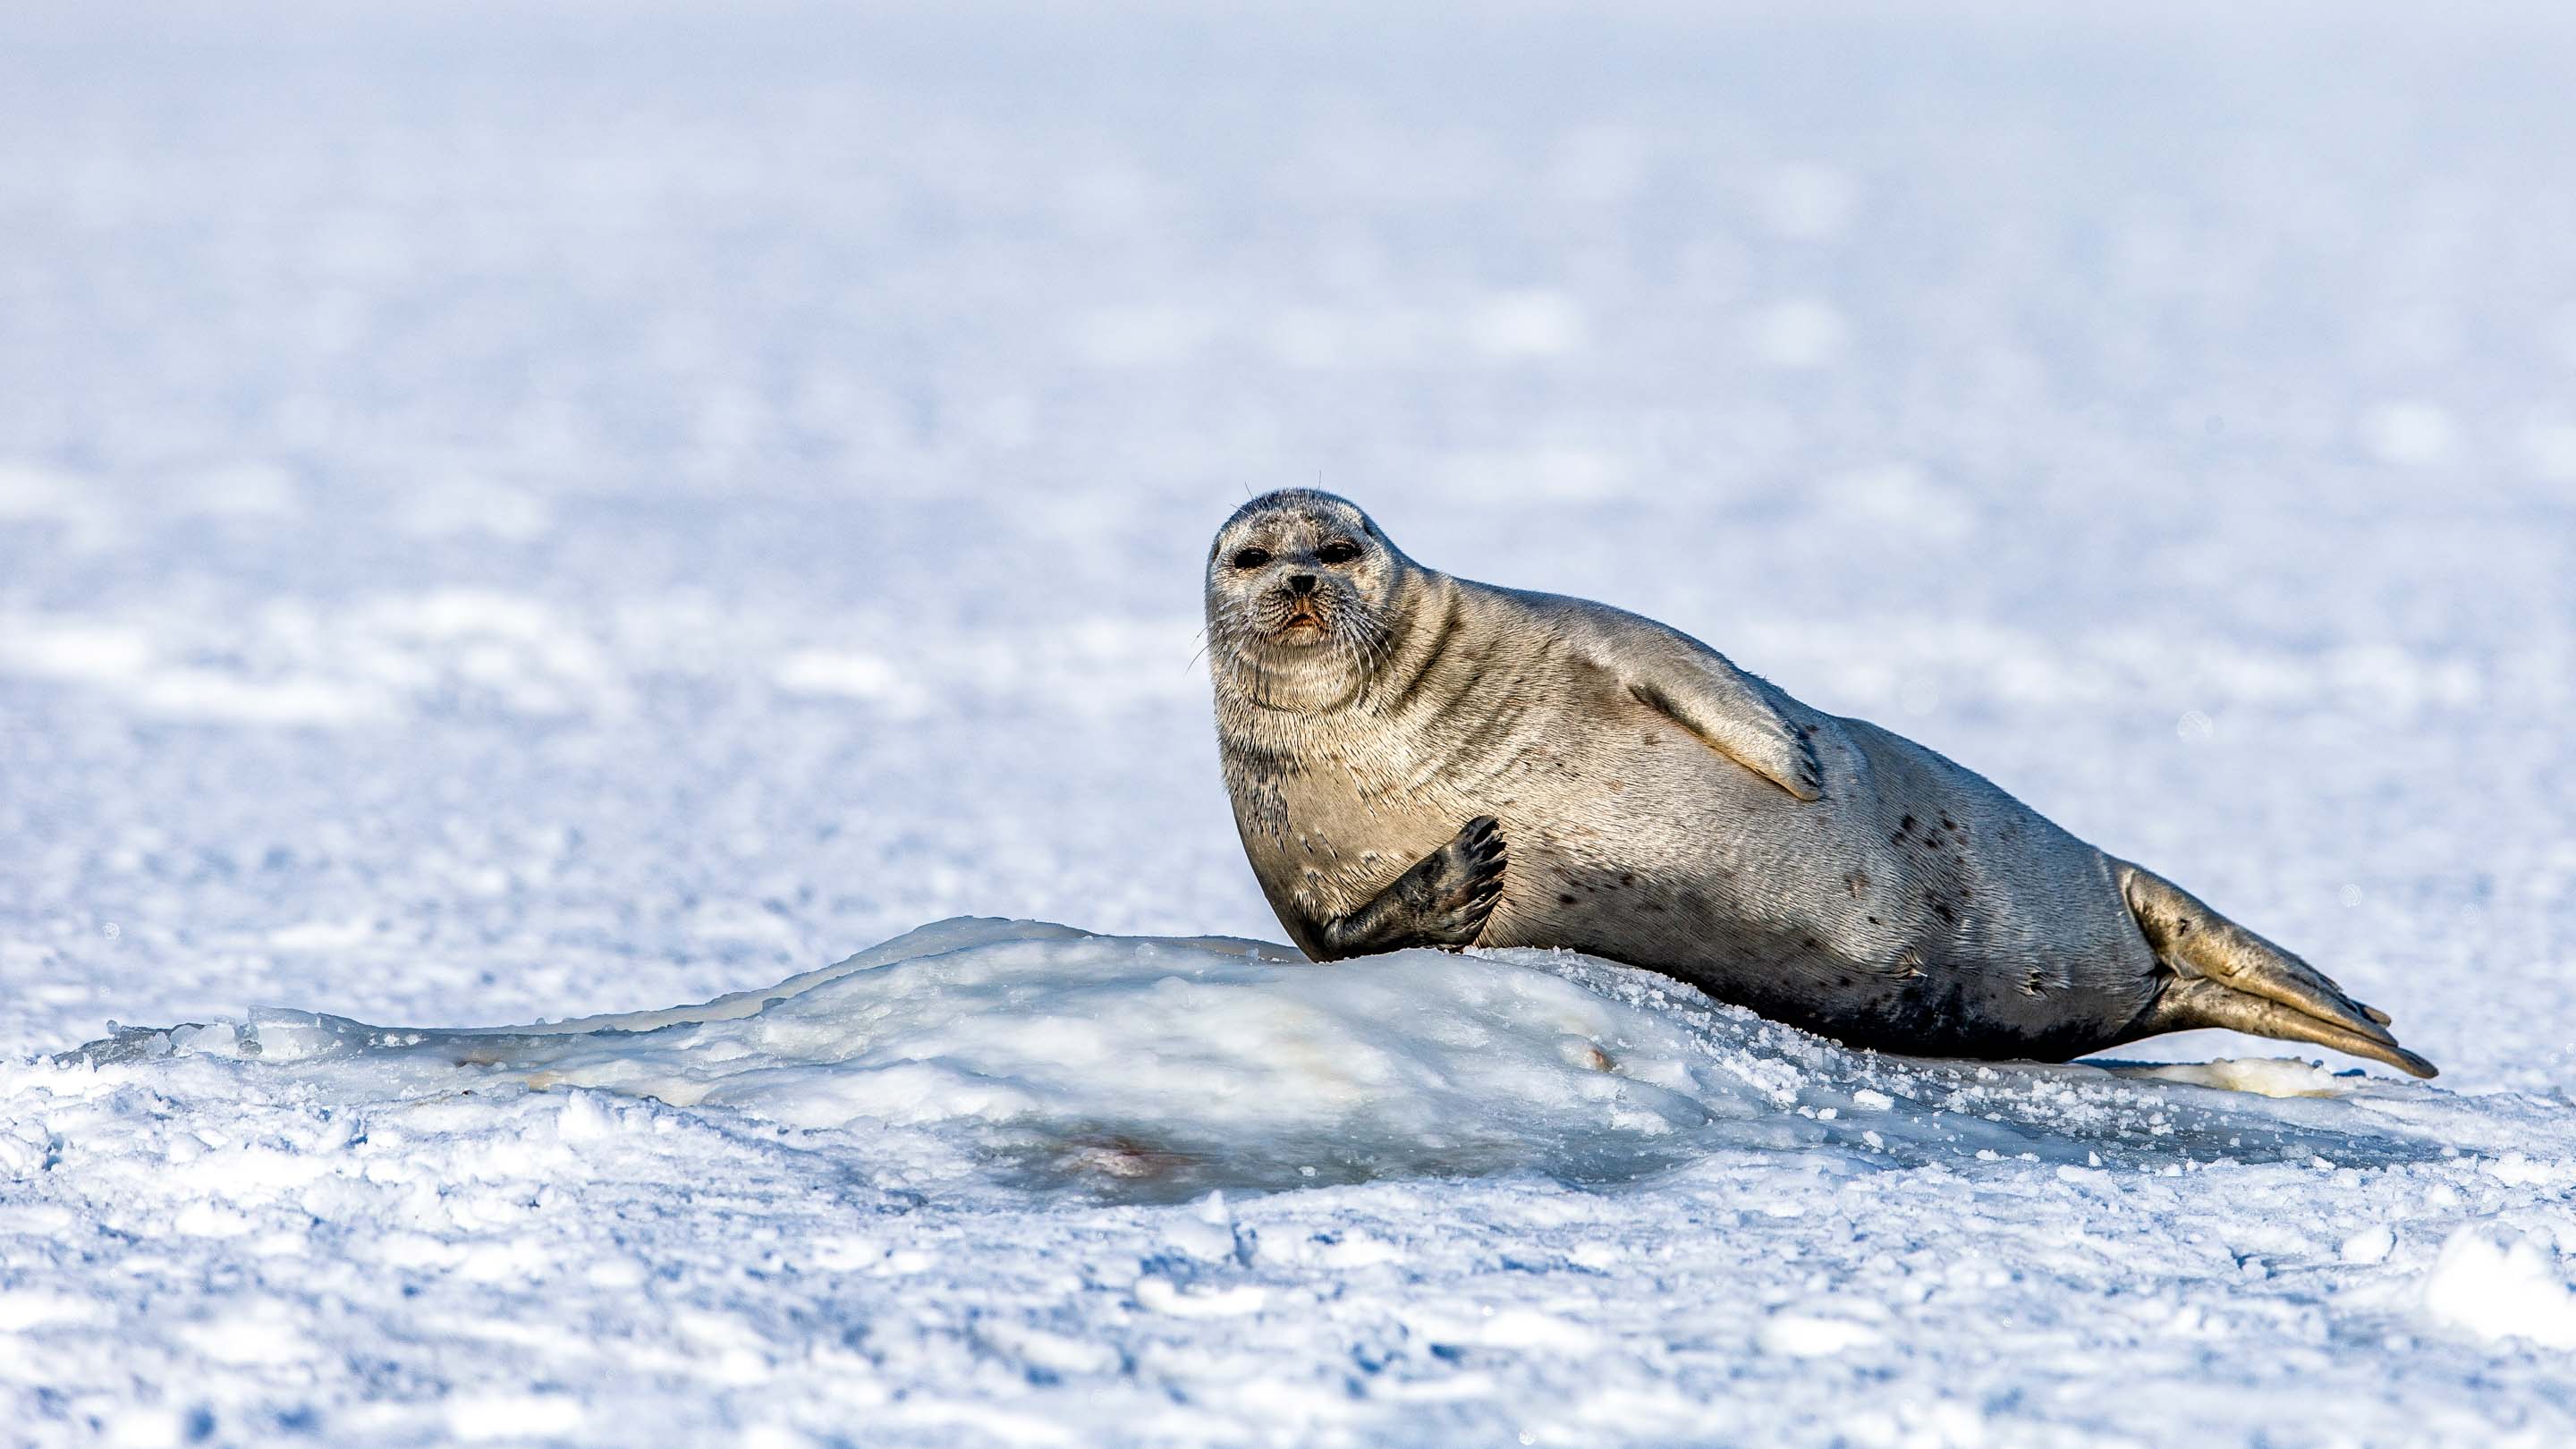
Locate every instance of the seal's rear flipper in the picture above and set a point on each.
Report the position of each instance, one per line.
(2189, 1003)
(2226, 976)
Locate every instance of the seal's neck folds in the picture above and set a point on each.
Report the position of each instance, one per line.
(1316, 679)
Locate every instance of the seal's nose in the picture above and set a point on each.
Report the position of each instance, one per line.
(1301, 583)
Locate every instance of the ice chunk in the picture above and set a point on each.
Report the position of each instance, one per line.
(1162, 1068)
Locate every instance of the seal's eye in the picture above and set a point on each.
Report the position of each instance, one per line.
(1251, 558)
(1339, 551)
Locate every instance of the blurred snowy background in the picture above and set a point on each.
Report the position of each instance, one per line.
(516, 511)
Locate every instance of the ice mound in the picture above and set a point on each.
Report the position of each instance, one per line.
(1048, 1057)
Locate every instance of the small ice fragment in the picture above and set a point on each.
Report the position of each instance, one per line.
(1799, 1335)
(1160, 1295)
(2499, 1286)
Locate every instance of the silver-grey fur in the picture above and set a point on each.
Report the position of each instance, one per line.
(1417, 759)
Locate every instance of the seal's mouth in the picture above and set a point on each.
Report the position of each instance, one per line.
(1302, 618)
(1296, 619)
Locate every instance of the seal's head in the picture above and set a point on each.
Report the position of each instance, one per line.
(1303, 591)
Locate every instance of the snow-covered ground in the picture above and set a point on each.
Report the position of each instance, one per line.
(518, 515)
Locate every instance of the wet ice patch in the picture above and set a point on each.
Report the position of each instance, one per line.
(2263, 1077)
(1158, 1068)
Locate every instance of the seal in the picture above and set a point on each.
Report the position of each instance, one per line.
(1420, 760)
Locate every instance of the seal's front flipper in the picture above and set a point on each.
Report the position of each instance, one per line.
(2226, 976)
(1443, 899)
(1734, 713)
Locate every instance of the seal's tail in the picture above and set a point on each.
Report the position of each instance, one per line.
(2226, 976)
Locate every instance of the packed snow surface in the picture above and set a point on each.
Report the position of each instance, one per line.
(515, 517)
(1000, 1180)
